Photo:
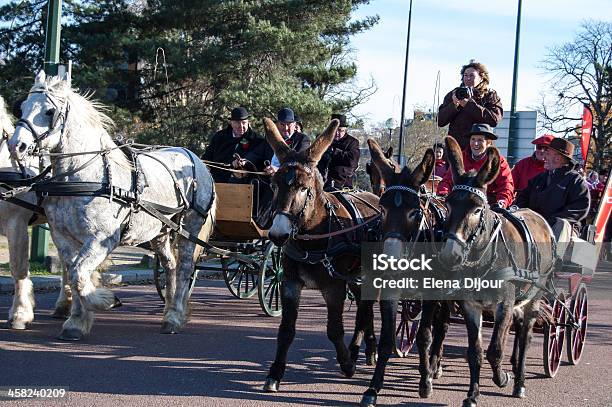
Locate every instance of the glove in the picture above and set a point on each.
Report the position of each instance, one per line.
(501, 204)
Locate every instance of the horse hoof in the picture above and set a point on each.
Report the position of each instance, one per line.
(348, 369)
(61, 313)
(116, 304)
(504, 381)
(71, 335)
(169, 328)
(469, 403)
(271, 385)
(438, 373)
(369, 398)
(425, 389)
(519, 392)
(354, 353)
(372, 359)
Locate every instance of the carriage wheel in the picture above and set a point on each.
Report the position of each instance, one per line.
(576, 337)
(406, 327)
(159, 277)
(554, 336)
(240, 278)
(270, 280)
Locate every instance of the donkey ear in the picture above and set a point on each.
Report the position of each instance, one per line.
(422, 172)
(274, 138)
(490, 168)
(40, 77)
(455, 157)
(322, 142)
(380, 160)
(389, 152)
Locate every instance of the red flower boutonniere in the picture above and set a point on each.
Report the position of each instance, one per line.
(244, 143)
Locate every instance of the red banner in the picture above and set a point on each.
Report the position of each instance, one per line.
(587, 128)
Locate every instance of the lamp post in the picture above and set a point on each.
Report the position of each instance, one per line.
(391, 124)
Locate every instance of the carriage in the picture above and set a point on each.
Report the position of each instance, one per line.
(249, 262)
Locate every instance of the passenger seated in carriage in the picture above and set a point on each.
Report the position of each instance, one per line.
(500, 192)
(529, 167)
(237, 146)
(339, 162)
(560, 194)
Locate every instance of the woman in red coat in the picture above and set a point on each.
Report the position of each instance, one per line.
(531, 166)
(501, 191)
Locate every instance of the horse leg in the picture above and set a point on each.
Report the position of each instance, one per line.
(21, 312)
(163, 249)
(64, 299)
(424, 341)
(530, 315)
(89, 257)
(473, 322)
(440, 328)
(334, 296)
(291, 291)
(370, 335)
(364, 327)
(495, 351)
(388, 313)
(518, 322)
(355, 343)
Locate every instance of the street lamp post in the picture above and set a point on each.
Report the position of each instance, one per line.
(391, 124)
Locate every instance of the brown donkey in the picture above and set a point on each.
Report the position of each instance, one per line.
(320, 233)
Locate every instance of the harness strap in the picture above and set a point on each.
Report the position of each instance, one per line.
(177, 186)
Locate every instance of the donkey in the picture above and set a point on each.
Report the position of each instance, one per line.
(376, 180)
(476, 241)
(14, 222)
(329, 260)
(86, 226)
(408, 216)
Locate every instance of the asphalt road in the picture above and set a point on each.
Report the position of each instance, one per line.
(222, 357)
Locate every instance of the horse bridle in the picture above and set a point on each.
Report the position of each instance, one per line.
(290, 179)
(398, 200)
(60, 114)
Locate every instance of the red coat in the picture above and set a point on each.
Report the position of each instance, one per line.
(502, 188)
(440, 168)
(524, 170)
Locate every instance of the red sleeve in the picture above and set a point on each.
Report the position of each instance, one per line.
(503, 184)
(517, 173)
(446, 184)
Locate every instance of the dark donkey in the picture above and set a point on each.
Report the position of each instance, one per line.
(328, 258)
(376, 179)
(408, 216)
(480, 242)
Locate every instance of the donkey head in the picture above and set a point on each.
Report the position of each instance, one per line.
(468, 215)
(297, 183)
(400, 203)
(376, 180)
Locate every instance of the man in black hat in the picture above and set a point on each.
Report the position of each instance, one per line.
(236, 140)
(560, 194)
(286, 125)
(338, 164)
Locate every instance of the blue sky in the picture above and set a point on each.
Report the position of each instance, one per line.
(447, 34)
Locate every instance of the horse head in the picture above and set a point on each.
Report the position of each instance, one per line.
(401, 206)
(469, 217)
(376, 180)
(297, 183)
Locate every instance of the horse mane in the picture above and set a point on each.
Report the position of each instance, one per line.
(84, 112)
(6, 124)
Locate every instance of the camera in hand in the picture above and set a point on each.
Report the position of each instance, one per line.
(464, 92)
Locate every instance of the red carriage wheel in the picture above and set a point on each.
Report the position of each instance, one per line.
(554, 336)
(576, 337)
(406, 327)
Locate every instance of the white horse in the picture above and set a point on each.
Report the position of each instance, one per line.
(14, 222)
(86, 229)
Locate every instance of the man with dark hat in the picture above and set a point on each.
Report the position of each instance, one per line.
(339, 162)
(500, 192)
(286, 125)
(238, 139)
(560, 194)
(531, 166)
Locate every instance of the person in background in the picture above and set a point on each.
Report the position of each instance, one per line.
(472, 102)
(339, 162)
(441, 165)
(531, 166)
(500, 192)
(299, 126)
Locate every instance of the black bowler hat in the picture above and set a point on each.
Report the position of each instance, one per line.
(563, 147)
(341, 118)
(483, 129)
(285, 115)
(239, 113)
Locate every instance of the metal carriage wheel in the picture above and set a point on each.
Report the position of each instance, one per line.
(554, 335)
(240, 277)
(270, 281)
(576, 336)
(159, 277)
(406, 327)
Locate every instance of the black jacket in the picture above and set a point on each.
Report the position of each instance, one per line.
(297, 141)
(224, 145)
(566, 196)
(340, 161)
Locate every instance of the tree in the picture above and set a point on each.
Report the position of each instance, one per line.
(581, 74)
(176, 67)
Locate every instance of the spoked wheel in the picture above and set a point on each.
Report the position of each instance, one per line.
(270, 279)
(407, 325)
(554, 336)
(159, 277)
(240, 278)
(576, 337)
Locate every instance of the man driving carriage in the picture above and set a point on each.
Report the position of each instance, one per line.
(339, 162)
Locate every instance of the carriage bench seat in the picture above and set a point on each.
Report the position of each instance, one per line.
(235, 204)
